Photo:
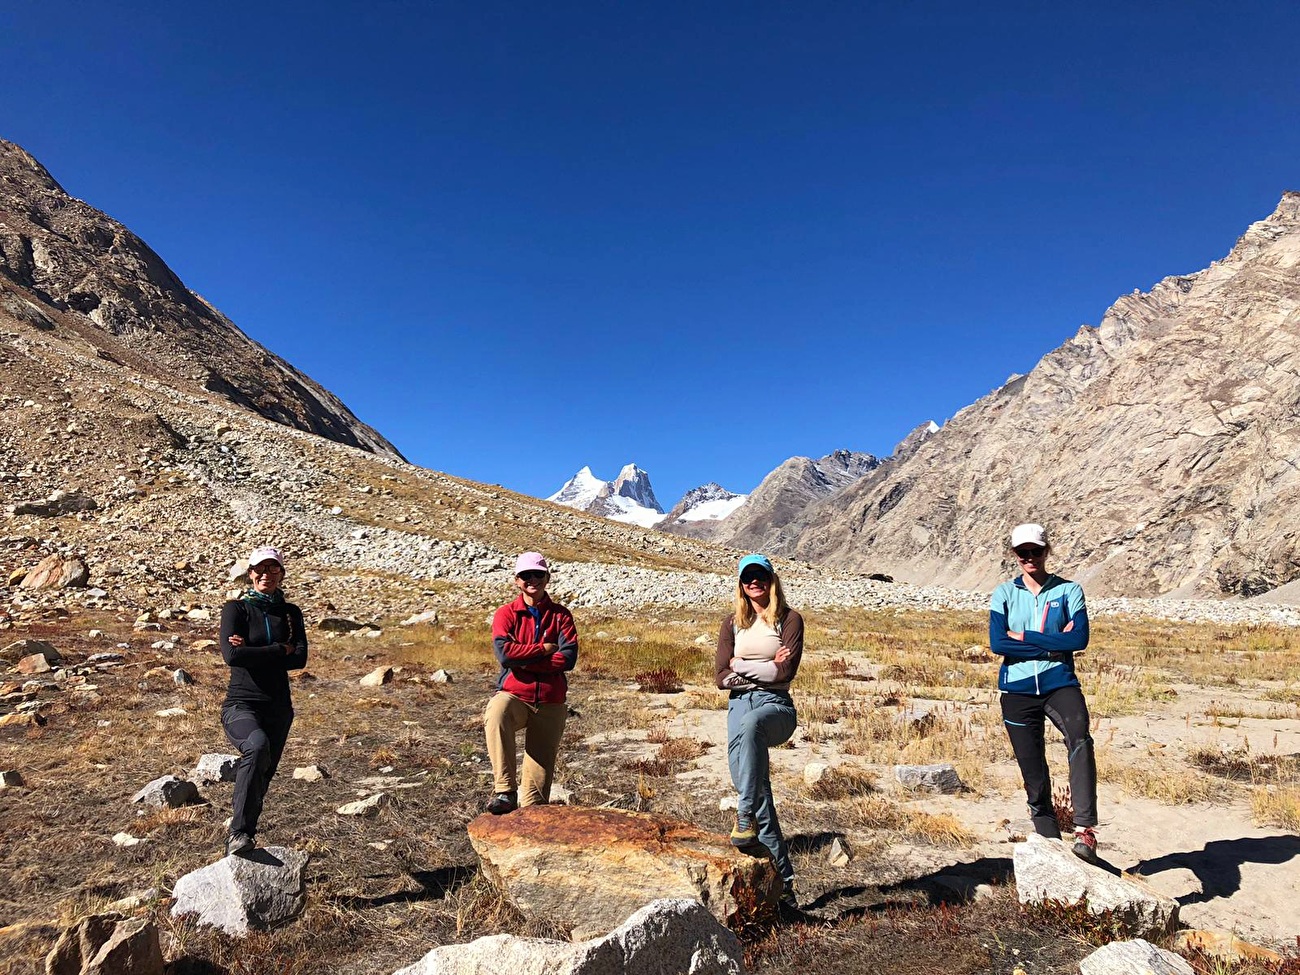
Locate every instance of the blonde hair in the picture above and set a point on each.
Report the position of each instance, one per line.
(745, 614)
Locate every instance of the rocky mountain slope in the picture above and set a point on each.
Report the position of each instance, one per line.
(63, 263)
(628, 498)
(781, 497)
(1160, 448)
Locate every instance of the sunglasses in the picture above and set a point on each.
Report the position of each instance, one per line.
(532, 576)
(266, 570)
(1027, 552)
(757, 578)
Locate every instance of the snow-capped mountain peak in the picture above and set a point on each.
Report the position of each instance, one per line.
(580, 490)
(709, 502)
(629, 498)
(634, 483)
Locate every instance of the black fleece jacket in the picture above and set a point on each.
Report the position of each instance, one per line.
(275, 642)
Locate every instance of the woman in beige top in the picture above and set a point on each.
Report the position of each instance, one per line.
(759, 649)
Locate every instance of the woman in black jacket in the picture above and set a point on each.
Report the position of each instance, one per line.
(262, 639)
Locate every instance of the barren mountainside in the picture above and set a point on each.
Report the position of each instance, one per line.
(120, 297)
(1160, 448)
(781, 497)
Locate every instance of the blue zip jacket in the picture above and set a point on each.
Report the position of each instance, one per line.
(1044, 661)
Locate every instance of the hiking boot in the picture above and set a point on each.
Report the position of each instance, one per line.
(1085, 844)
(238, 843)
(743, 834)
(502, 803)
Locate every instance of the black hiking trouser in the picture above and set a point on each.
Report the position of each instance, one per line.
(1023, 715)
(259, 731)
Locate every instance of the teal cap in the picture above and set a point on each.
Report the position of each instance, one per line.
(755, 559)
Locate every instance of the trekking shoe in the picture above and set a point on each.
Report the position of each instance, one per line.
(502, 803)
(238, 843)
(787, 904)
(744, 834)
(1085, 844)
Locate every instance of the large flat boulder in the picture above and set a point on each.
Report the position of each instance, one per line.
(666, 937)
(257, 890)
(588, 869)
(1047, 870)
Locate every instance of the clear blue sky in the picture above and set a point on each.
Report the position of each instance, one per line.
(704, 237)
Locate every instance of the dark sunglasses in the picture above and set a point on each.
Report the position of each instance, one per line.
(532, 576)
(266, 570)
(749, 578)
(1029, 552)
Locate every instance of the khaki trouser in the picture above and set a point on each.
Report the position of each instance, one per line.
(543, 726)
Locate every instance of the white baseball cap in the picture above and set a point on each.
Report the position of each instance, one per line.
(265, 554)
(1029, 534)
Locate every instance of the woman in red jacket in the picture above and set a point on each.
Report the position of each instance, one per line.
(536, 643)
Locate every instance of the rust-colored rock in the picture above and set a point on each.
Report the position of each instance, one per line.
(1224, 945)
(588, 869)
(56, 572)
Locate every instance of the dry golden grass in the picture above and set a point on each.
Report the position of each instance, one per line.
(1277, 806)
(881, 813)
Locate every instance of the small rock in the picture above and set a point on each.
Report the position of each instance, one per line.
(175, 712)
(11, 779)
(815, 772)
(311, 773)
(28, 721)
(729, 803)
(1224, 945)
(37, 663)
(1135, 957)
(440, 677)
(203, 644)
(366, 807)
(215, 767)
(29, 648)
(339, 624)
(168, 791)
(703, 640)
(377, 677)
(929, 778)
(840, 855)
(182, 677)
(107, 657)
(126, 839)
(429, 616)
(199, 615)
(56, 572)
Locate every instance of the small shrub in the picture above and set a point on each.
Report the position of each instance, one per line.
(661, 680)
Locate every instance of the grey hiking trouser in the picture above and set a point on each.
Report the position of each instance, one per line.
(259, 731)
(757, 721)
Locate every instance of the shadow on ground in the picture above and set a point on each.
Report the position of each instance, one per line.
(1217, 865)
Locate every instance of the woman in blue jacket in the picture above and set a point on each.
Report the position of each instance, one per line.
(1037, 623)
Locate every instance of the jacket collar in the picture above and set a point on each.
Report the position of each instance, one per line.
(519, 606)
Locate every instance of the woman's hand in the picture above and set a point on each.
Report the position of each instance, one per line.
(734, 661)
(782, 655)
(551, 647)
(236, 640)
